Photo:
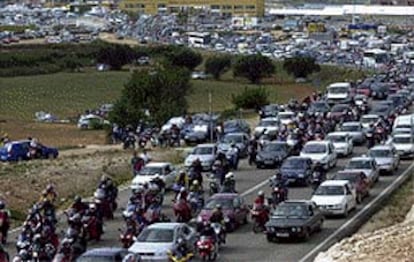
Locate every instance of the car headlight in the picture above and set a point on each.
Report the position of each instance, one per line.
(161, 253)
(293, 229)
(301, 175)
(338, 206)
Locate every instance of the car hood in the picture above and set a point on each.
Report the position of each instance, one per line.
(270, 154)
(138, 179)
(146, 247)
(286, 222)
(314, 157)
(367, 172)
(337, 96)
(340, 144)
(190, 159)
(292, 172)
(328, 200)
(403, 147)
(383, 160)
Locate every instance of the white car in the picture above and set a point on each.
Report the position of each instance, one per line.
(386, 158)
(88, 121)
(178, 121)
(365, 164)
(342, 142)
(320, 151)
(156, 240)
(286, 117)
(206, 153)
(366, 120)
(335, 197)
(404, 144)
(355, 130)
(269, 125)
(339, 93)
(165, 170)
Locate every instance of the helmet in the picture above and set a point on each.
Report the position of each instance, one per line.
(78, 199)
(2, 205)
(49, 187)
(37, 237)
(180, 241)
(195, 183)
(206, 223)
(182, 189)
(92, 206)
(260, 194)
(230, 176)
(218, 206)
(182, 172)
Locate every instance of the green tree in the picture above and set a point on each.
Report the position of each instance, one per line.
(217, 65)
(162, 93)
(115, 55)
(183, 57)
(253, 67)
(301, 67)
(251, 98)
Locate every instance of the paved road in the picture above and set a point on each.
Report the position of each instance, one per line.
(244, 245)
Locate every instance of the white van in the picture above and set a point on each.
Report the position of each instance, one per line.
(339, 93)
(403, 124)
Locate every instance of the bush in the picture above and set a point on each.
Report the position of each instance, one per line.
(183, 57)
(217, 65)
(251, 98)
(115, 55)
(253, 67)
(301, 67)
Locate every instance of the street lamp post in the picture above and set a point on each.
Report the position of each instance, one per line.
(210, 112)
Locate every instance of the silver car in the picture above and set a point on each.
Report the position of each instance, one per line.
(386, 157)
(355, 130)
(364, 164)
(206, 153)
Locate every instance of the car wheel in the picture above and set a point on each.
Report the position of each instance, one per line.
(306, 234)
(271, 239)
(51, 156)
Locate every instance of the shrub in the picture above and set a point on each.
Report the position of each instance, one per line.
(251, 98)
(253, 67)
(217, 65)
(301, 67)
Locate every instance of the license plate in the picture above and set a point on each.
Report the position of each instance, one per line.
(268, 162)
(282, 234)
(291, 180)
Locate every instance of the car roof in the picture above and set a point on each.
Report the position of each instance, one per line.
(167, 225)
(206, 145)
(298, 201)
(157, 164)
(382, 147)
(370, 116)
(402, 135)
(340, 84)
(235, 133)
(317, 142)
(338, 133)
(358, 158)
(354, 172)
(299, 157)
(103, 251)
(335, 182)
(224, 195)
(351, 123)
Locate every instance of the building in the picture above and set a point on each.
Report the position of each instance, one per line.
(254, 8)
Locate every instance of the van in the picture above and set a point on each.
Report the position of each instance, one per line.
(339, 93)
(403, 124)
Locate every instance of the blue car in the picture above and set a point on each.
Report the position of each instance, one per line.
(297, 170)
(19, 150)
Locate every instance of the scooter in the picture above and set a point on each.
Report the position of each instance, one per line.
(260, 216)
(206, 248)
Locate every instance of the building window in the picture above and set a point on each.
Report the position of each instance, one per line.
(215, 7)
(226, 7)
(139, 6)
(162, 6)
(250, 7)
(238, 7)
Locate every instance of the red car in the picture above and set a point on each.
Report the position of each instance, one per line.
(233, 206)
(358, 179)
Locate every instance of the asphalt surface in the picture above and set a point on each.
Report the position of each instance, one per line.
(243, 244)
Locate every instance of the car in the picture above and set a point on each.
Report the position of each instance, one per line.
(364, 164)
(399, 101)
(286, 117)
(165, 170)
(103, 254)
(339, 111)
(206, 153)
(368, 119)
(240, 139)
(297, 170)
(342, 143)
(386, 158)
(154, 242)
(236, 126)
(294, 219)
(198, 75)
(267, 125)
(233, 206)
(379, 90)
(381, 109)
(320, 151)
(272, 154)
(335, 197)
(19, 150)
(269, 111)
(319, 107)
(339, 93)
(91, 121)
(404, 144)
(358, 179)
(355, 130)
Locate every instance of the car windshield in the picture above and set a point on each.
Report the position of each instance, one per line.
(330, 191)
(359, 164)
(402, 140)
(379, 109)
(367, 120)
(290, 211)
(285, 116)
(346, 176)
(272, 147)
(150, 171)
(338, 108)
(338, 90)
(314, 149)
(350, 128)
(203, 151)
(295, 163)
(319, 106)
(228, 139)
(337, 138)
(156, 235)
(270, 108)
(267, 123)
(380, 153)
(226, 203)
(93, 258)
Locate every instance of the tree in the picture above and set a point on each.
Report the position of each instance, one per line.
(162, 93)
(251, 98)
(301, 67)
(253, 67)
(115, 55)
(217, 65)
(184, 57)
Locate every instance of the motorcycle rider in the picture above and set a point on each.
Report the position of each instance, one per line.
(137, 163)
(278, 181)
(208, 231)
(234, 153)
(196, 188)
(182, 248)
(218, 217)
(4, 256)
(145, 156)
(51, 193)
(79, 206)
(260, 199)
(229, 184)
(252, 148)
(370, 135)
(181, 181)
(4, 222)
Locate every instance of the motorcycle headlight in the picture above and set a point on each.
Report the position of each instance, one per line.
(199, 219)
(226, 219)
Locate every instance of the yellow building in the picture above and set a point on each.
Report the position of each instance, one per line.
(230, 7)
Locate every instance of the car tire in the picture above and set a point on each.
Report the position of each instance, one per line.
(306, 234)
(271, 239)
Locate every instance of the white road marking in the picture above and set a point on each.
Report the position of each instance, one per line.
(252, 189)
(349, 222)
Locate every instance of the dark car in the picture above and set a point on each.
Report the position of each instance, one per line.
(318, 107)
(272, 154)
(234, 209)
(399, 101)
(379, 90)
(240, 139)
(236, 126)
(269, 111)
(294, 219)
(339, 110)
(381, 109)
(104, 254)
(358, 179)
(18, 151)
(297, 170)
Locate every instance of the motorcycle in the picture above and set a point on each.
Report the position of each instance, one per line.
(182, 211)
(177, 257)
(92, 229)
(129, 142)
(196, 202)
(279, 195)
(260, 216)
(126, 238)
(206, 248)
(213, 184)
(220, 233)
(317, 179)
(370, 139)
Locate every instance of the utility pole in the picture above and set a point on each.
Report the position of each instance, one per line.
(210, 112)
